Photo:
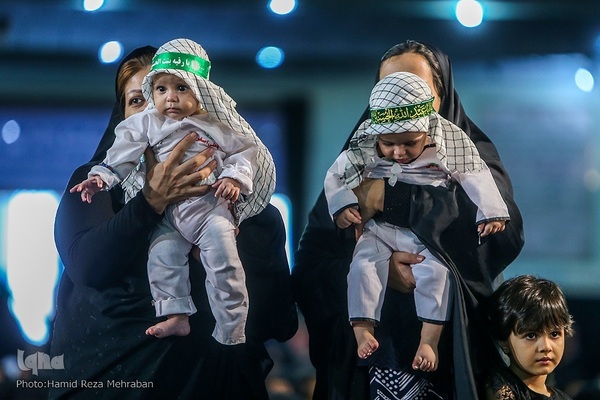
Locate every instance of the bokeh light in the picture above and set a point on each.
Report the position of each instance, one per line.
(110, 52)
(92, 5)
(584, 80)
(11, 131)
(270, 57)
(469, 13)
(282, 7)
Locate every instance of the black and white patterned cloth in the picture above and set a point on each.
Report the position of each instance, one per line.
(390, 384)
(397, 90)
(221, 106)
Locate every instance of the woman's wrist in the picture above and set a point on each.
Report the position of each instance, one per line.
(157, 203)
(370, 197)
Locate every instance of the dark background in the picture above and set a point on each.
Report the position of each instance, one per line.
(514, 74)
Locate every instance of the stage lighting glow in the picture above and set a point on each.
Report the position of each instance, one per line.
(110, 52)
(32, 263)
(282, 7)
(92, 5)
(584, 80)
(11, 131)
(469, 13)
(284, 205)
(270, 57)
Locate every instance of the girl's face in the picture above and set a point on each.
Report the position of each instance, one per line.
(134, 100)
(535, 354)
(173, 97)
(402, 147)
(413, 63)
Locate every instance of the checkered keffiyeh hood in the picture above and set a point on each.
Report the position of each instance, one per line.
(221, 106)
(402, 102)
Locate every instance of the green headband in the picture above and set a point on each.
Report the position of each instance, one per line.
(402, 113)
(186, 62)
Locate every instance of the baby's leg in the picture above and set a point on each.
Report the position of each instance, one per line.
(432, 300)
(364, 331)
(225, 277)
(175, 325)
(367, 280)
(168, 274)
(426, 358)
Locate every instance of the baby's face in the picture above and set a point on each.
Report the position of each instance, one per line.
(402, 147)
(173, 97)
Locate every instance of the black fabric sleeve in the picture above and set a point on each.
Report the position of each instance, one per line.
(319, 281)
(261, 245)
(321, 265)
(93, 240)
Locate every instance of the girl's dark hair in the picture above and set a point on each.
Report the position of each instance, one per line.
(528, 304)
(412, 46)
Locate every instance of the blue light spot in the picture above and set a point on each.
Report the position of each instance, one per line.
(270, 57)
(110, 52)
(584, 80)
(282, 7)
(11, 131)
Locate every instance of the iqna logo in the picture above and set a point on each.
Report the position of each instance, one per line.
(39, 360)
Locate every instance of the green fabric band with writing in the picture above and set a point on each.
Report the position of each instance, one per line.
(186, 62)
(402, 113)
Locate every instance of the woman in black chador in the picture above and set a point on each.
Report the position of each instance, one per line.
(325, 252)
(104, 304)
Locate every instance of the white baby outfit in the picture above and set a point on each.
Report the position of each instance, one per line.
(205, 221)
(451, 156)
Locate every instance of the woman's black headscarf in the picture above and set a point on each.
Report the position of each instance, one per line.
(118, 109)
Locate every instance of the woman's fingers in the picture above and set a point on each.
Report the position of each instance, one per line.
(401, 277)
(150, 159)
(192, 178)
(191, 167)
(171, 181)
(358, 230)
(401, 257)
(196, 162)
(174, 159)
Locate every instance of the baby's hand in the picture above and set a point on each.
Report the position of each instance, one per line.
(227, 188)
(489, 228)
(348, 217)
(88, 188)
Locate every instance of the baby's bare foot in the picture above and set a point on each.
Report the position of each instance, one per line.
(367, 348)
(175, 325)
(426, 358)
(366, 341)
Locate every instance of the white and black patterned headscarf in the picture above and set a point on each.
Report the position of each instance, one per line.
(403, 102)
(189, 61)
(400, 102)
